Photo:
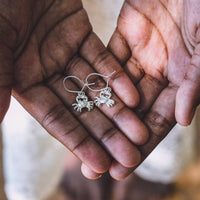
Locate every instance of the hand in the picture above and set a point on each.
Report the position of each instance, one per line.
(157, 42)
(43, 41)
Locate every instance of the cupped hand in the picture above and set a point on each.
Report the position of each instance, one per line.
(158, 43)
(43, 41)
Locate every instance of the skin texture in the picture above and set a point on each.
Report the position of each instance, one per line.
(157, 42)
(43, 41)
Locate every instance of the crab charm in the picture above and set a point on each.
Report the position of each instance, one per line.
(105, 96)
(82, 102)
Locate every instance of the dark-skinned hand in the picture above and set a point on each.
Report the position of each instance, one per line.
(43, 41)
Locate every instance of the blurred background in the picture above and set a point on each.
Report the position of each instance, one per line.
(186, 185)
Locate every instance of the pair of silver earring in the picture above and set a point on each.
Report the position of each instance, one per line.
(82, 100)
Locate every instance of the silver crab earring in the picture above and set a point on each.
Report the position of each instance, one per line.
(81, 99)
(105, 93)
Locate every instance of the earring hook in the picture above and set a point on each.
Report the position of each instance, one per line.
(98, 74)
(74, 91)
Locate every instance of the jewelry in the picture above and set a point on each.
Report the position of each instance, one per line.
(105, 93)
(81, 98)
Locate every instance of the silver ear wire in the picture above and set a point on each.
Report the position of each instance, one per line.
(73, 91)
(81, 98)
(97, 74)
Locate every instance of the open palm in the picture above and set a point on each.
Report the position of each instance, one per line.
(157, 42)
(43, 41)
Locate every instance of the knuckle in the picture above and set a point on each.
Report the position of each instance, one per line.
(158, 124)
(118, 112)
(75, 61)
(54, 79)
(56, 113)
(117, 75)
(154, 81)
(108, 134)
(102, 57)
(99, 82)
(84, 140)
(196, 60)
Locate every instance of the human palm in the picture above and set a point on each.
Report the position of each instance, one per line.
(157, 42)
(43, 41)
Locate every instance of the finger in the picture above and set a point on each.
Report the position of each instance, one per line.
(103, 62)
(188, 96)
(124, 118)
(134, 70)
(149, 89)
(119, 47)
(119, 172)
(99, 126)
(59, 122)
(88, 173)
(159, 120)
(148, 86)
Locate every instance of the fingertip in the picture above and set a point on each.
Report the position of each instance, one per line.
(119, 172)
(133, 159)
(88, 173)
(143, 134)
(184, 119)
(125, 89)
(184, 109)
(103, 166)
(134, 99)
(132, 126)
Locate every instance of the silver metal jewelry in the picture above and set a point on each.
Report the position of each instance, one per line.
(104, 98)
(105, 93)
(81, 98)
(82, 102)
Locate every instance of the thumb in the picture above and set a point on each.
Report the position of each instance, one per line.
(188, 96)
(6, 79)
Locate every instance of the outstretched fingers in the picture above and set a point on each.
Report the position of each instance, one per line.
(99, 126)
(160, 119)
(123, 117)
(88, 173)
(94, 52)
(53, 115)
(117, 171)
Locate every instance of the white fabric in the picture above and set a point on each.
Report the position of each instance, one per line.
(170, 157)
(33, 160)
